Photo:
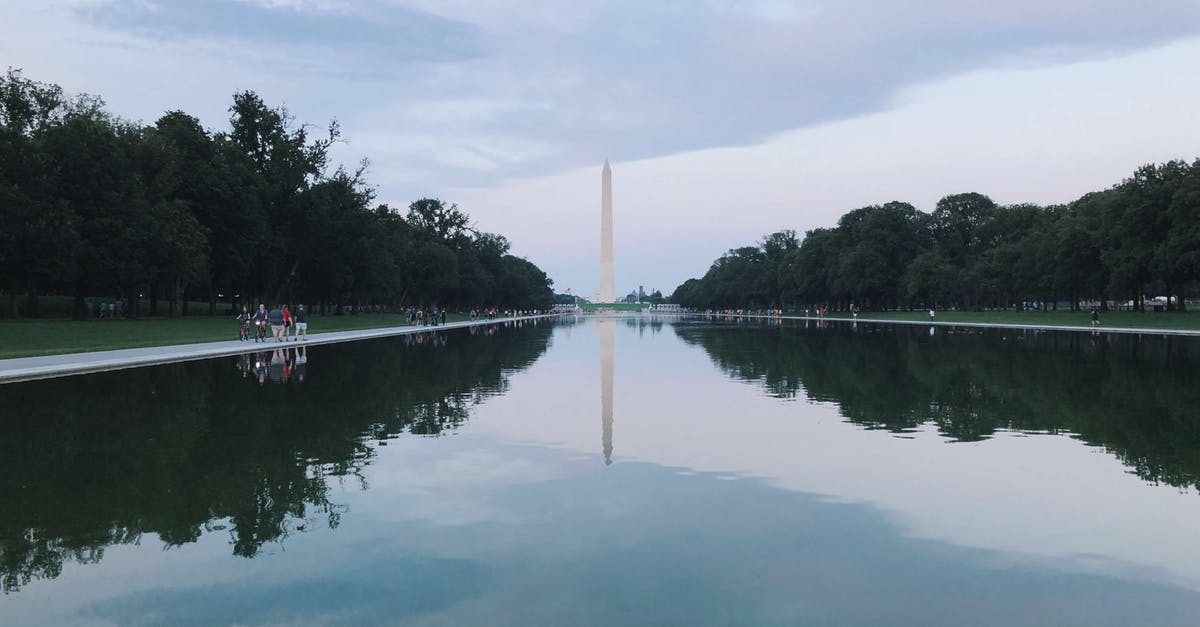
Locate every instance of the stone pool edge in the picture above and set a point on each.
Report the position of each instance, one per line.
(986, 325)
(20, 369)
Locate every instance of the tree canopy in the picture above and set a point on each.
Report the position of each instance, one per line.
(95, 206)
(1138, 238)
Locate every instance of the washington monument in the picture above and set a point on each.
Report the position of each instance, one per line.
(606, 236)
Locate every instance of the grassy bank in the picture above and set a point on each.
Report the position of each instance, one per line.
(27, 338)
(1115, 319)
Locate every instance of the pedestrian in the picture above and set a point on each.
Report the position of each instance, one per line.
(443, 315)
(287, 322)
(931, 314)
(301, 322)
(275, 317)
(1095, 317)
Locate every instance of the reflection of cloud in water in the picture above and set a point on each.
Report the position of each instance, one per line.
(366, 593)
(650, 545)
(997, 495)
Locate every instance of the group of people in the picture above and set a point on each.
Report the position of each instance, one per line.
(284, 325)
(424, 318)
(115, 309)
(490, 314)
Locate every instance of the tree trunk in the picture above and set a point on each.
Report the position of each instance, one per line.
(154, 299)
(177, 301)
(78, 305)
(31, 304)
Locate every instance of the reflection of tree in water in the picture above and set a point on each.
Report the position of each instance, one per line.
(88, 462)
(1136, 395)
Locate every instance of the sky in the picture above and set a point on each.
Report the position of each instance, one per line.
(724, 120)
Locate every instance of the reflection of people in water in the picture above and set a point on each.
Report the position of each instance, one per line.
(280, 366)
(275, 370)
(260, 367)
(243, 365)
(300, 359)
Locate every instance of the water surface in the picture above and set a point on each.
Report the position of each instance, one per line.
(628, 470)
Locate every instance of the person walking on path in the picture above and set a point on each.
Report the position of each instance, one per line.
(1095, 317)
(443, 315)
(275, 316)
(287, 322)
(301, 323)
(931, 314)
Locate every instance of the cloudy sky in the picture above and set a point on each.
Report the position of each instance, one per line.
(724, 120)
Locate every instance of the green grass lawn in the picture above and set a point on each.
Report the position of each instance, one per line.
(26, 338)
(1113, 319)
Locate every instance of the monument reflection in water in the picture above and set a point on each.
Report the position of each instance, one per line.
(607, 330)
(770, 474)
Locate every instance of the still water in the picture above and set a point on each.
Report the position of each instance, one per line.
(616, 471)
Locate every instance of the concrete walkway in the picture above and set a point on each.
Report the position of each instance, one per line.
(985, 325)
(29, 368)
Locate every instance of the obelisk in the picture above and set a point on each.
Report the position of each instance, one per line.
(606, 237)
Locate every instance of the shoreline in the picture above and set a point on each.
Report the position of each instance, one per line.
(991, 325)
(18, 369)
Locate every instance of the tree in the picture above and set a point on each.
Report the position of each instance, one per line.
(94, 205)
(36, 227)
(434, 220)
(1177, 256)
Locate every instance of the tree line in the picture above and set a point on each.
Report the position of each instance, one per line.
(1140, 237)
(94, 205)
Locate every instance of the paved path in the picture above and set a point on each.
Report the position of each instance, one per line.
(27, 368)
(989, 325)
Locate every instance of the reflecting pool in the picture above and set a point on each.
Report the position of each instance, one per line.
(626, 470)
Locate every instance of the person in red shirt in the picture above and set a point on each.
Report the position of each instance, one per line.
(287, 321)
